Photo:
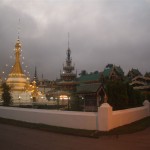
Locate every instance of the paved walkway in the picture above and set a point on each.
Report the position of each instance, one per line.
(17, 138)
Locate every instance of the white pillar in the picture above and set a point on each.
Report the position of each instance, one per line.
(104, 117)
(147, 103)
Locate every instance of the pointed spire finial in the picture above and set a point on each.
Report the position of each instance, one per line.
(68, 40)
(18, 28)
(35, 73)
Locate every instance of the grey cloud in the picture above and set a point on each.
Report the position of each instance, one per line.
(101, 32)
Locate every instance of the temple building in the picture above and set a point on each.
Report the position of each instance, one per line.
(89, 78)
(62, 89)
(90, 90)
(141, 83)
(45, 85)
(113, 73)
(92, 94)
(147, 74)
(133, 73)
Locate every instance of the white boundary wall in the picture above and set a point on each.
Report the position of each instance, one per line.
(69, 119)
(109, 119)
(103, 120)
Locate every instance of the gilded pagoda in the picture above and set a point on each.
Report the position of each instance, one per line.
(21, 89)
(17, 80)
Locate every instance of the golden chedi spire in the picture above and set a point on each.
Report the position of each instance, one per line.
(17, 69)
(17, 80)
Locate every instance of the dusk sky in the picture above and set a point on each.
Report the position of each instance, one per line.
(101, 32)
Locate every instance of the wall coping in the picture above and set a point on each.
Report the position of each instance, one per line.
(51, 111)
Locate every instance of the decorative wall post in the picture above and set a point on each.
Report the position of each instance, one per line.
(104, 117)
(147, 103)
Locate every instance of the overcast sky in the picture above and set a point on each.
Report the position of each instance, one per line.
(101, 32)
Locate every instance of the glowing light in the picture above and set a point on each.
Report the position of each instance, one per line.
(63, 97)
(3, 72)
(22, 57)
(6, 65)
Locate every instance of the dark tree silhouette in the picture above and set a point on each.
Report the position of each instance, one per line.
(121, 95)
(6, 95)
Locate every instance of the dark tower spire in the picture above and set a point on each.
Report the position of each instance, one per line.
(68, 51)
(68, 77)
(68, 40)
(35, 76)
(35, 73)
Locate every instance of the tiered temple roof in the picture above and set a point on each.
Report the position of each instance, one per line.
(133, 73)
(68, 77)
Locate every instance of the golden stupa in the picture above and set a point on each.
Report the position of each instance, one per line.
(17, 80)
(21, 89)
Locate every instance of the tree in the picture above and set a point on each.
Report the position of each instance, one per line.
(135, 98)
(117, 94)
(6, 95)
(83, 73)
(121, 95)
